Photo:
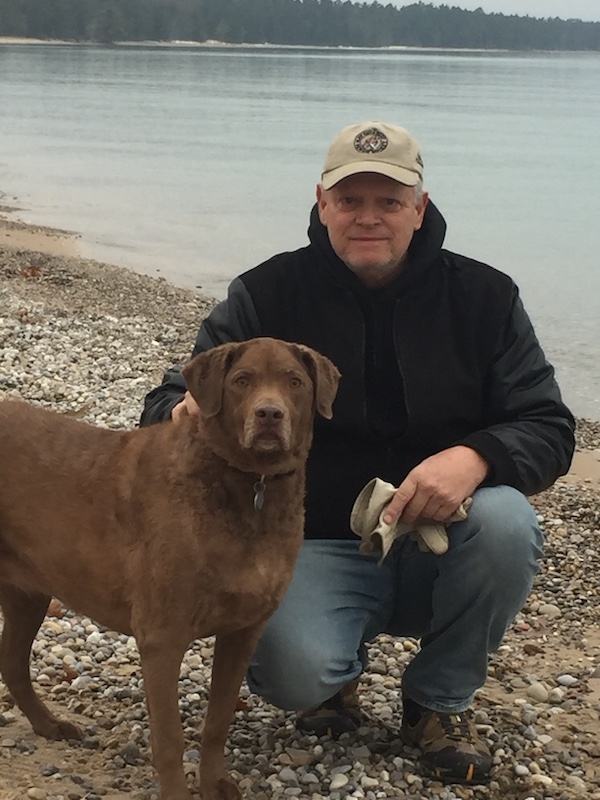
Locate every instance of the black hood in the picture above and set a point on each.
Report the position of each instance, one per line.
(424, 248)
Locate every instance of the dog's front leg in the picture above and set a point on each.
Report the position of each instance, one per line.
(161, 663)
(233, 652)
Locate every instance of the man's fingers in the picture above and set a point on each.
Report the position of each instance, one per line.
(179, 411)
(403, 496)
(186, 408)
(412, 501)
(415, 508)
(437, 510)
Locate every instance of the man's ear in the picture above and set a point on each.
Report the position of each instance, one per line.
(321, 203)
(421, 208)
(204, 376)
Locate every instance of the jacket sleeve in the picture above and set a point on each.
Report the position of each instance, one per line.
(532, 438)
(232, 320)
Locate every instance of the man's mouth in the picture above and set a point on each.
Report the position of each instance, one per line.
(368, 239)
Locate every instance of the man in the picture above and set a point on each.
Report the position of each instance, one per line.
(446, 394)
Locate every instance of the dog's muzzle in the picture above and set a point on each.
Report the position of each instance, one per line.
(268, 428)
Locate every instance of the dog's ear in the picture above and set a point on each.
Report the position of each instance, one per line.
(204, 376)
(325, 376)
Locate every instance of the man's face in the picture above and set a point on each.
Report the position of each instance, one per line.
(371, 220)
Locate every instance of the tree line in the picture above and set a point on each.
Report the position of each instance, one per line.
(290, 22)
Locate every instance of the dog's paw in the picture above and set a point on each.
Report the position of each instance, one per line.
(223, 789)
(52, 728)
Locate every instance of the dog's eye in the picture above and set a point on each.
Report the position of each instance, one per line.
(295, 383)
(241, 380)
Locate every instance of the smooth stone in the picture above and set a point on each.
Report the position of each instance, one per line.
(567, 680)
(538, 692)
(550, 610)
(288, 775)
(544, 780)
(575, 782)
(338, 781)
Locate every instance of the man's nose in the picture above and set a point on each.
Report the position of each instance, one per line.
(368, 214)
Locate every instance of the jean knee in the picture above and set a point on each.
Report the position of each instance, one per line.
(506, 529)
(294, 672)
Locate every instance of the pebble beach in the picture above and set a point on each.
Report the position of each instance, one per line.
(89, 340)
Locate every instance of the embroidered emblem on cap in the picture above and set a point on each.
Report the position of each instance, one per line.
(371, 140)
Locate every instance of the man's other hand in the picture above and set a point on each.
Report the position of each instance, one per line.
(436, 487)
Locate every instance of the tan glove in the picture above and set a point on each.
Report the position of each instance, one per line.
(366, 521)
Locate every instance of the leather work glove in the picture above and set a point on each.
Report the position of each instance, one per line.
(366, 521)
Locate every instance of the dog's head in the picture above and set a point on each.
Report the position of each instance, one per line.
(260, 396)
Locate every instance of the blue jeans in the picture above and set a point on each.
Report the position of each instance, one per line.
(459, 604)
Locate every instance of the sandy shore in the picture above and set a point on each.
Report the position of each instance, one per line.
(24, 40)
(20, 236)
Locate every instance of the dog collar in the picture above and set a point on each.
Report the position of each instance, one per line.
(260, 487)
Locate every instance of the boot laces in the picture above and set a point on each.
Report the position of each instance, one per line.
(456, 727)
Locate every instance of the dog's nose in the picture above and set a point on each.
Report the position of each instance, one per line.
(269, 413)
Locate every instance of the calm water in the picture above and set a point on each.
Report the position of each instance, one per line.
(196, 163)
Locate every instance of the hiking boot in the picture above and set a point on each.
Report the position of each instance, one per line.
(451, 749)
(340, 714)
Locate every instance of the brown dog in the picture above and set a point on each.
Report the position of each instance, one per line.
(169, 533)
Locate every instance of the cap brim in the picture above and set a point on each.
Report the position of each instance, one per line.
(400, 174)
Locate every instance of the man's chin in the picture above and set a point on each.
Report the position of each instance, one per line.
(373, 272)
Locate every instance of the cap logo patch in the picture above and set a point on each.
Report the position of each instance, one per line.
(371, 140)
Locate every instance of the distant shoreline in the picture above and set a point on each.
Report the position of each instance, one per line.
(214, 43)
(218, 45)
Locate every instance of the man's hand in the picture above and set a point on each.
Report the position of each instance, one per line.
(437, 486)
(186, 408)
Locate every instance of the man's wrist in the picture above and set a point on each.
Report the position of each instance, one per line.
(481, 465)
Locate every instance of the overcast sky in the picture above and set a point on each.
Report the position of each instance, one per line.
(565, 9)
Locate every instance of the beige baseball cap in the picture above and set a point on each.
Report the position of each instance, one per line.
(373, 147)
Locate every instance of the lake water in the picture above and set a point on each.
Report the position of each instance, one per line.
(196, 163)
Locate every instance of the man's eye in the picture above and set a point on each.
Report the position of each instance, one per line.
(391, 202)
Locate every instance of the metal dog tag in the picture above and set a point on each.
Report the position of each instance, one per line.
(259, 493)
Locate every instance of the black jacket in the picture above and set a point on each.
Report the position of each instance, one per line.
(445, 355)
